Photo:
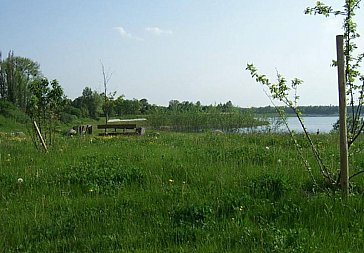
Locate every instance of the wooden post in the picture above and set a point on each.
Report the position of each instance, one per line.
(344, 163)
(40, 136)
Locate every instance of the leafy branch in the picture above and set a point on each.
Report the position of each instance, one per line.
(281, 91)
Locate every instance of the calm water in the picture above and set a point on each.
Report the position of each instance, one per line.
(322, 124)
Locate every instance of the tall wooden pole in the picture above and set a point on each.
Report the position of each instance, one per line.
(344, 163)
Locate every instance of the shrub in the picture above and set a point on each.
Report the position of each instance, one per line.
(9, 110)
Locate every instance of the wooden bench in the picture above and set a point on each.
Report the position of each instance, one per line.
(124, 127)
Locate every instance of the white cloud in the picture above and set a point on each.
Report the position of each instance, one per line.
(126, 34)
(158, 31)
(123, 32)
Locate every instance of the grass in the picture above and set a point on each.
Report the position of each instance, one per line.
(172, 192)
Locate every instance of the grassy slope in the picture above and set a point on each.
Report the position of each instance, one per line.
(8, 125)
(171, 193)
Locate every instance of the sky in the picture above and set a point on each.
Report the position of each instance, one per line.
(186, 50)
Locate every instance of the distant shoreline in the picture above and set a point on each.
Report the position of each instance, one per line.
(307, 111)
(315, 115)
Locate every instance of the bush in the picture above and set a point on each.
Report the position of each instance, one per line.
(9, 110)
(67, 118)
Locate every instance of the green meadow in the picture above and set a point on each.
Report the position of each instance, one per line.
(173, 192)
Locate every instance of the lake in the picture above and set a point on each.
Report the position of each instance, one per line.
(323, 124)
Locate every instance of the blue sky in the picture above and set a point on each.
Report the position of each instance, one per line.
(193, 50)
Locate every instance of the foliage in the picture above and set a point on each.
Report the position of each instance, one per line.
(176, 106)
(9, 110)
(89, 104)
(46, 105)
(319, 110)
(288, 96)
(16, 74)
(22, 84)
(200, 121)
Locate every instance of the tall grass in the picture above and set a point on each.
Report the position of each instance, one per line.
(198, 121)
(172, 192)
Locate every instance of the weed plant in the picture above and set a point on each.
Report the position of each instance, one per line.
(172, 192)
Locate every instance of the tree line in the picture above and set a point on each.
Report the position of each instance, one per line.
(306, 110)
(23, 85)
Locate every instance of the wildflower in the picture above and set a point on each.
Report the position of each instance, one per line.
(241, 208)
(20, 180)
(171, 180)
(267, 148)
(279, 161)
(65, 193)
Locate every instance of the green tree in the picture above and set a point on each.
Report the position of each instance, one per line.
(198, 106)
(90, 103)
(16, 74)
(108, 104)
(70, 113)
(93, 102)
(46, 104)
(145, 107)
(118, 105)
(173, 105)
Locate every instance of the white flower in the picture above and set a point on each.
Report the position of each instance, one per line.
(20, 180)
(267, 148)
(279, 161)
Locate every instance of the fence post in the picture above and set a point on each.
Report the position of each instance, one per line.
(344, 164)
